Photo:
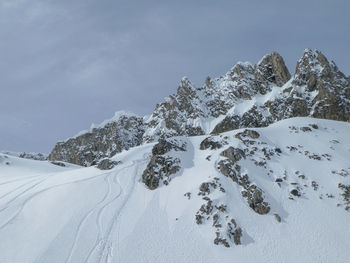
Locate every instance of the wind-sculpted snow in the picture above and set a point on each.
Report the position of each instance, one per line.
(277, 194)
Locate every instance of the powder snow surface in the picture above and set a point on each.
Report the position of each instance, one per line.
(70, 214)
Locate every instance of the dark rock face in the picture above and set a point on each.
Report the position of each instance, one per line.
(247, 133)
(174, 113)
(318, 89)
(255, 200)
(33, 156)
(305, 129)
(160, 168)
(295, 192)
(278, 218)
(88, 148)
(162, 165)
(107, 164)
(252, 193)
(273, 68)
(227, 231)
(237, 234)
(229, 123)
(58, 163)
(163, 146)
(226, 168)
(204, 188)
(253, 118)
(210, 143)
(234, 154)
(345, 195)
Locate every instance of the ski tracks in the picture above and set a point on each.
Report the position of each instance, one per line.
(96, 229)
(103, 216)
(23, 199)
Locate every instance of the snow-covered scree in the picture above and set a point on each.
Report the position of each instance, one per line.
(25, 155)
(276, 194)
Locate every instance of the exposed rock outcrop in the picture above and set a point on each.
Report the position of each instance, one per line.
(318, 89)
(107, 164)
(273, 69)
(246, 96)
(125, 130)
(234, 154)
(252, 193)
(163, 165)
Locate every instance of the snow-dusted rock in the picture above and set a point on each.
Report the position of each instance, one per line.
(248, 95)
(123, 131)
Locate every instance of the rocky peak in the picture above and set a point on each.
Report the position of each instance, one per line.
(174, 115)
(242, 70)
(331, 89)
(123, 131)
(248, 95)
(185, 87)
(239, 82)
(314, 68)
(312, 60)
(271, 68)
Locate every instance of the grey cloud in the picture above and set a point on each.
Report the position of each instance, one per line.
(65, 64)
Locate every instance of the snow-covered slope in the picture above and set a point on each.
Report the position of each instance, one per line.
(274, 194)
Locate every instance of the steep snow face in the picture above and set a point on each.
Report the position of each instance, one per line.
(248, 95)
(280, 194)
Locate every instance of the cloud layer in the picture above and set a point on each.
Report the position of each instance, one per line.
(66, 64)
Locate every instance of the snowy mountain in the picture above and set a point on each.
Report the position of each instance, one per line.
(247, 96)
(274, 194)
(254, 166)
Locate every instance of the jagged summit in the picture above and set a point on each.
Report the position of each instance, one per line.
(119, 133)
(314, 65)
(248, 95)
(117, 116)
(273, 69)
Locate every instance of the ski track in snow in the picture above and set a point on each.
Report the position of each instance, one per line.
(103, 242)
(90, 212)
(21, 191)
(107, 248)
(21, 206)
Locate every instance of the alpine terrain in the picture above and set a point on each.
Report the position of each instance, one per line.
(253, 166)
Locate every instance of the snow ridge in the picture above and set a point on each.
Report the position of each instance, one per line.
(246, 96)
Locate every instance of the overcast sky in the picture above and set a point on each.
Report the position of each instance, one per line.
(65, 64)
